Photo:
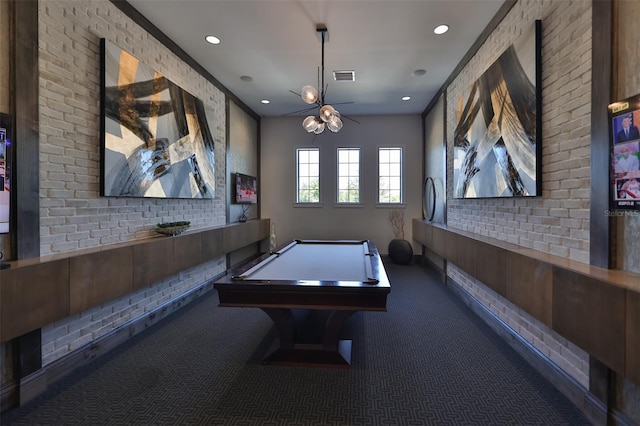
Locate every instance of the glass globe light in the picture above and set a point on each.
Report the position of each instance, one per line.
(320, 129)
(309, 94)
(310, 123)
(327, 112)
(335, 124)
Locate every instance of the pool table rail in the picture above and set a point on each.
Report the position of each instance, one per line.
(374, 269)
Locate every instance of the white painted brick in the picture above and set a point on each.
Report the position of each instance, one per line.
(63, 247)
(52, 239)
(579, 255)
(51, 333)
(573, 360)
(79, 236)
(65, 340)
(69, 103)
(50, 356)
(45, 225)
(566, 116)
(120, 304)
(533, 328)
(80, 342)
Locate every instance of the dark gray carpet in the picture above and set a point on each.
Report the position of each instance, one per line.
(428, 360)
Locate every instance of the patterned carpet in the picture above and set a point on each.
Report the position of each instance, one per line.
(427, 361)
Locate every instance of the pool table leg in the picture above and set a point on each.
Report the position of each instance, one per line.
(283, 320)
(334, 325)
(332, 352)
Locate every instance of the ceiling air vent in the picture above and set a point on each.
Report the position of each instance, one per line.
(344, 75)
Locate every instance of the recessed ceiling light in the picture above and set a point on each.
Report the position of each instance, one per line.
(246, 78)
(212, 39)
(406, 98)
(419, 72)
(441, 29)
(265, 101)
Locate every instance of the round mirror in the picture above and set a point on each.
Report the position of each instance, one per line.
(428, 199)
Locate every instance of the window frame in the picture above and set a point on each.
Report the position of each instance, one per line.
(391, 204)
(337, 188)
(297, 201)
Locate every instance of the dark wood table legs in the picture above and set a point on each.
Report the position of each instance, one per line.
(299, 345)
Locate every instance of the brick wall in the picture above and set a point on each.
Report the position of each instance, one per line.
(558, 221)
(570, 358)
(69, 334)
(73, 216)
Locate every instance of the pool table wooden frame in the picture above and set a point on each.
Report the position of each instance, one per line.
(338, 301)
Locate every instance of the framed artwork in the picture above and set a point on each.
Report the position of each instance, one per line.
(156, 140)
(624, 142)
(496, 146)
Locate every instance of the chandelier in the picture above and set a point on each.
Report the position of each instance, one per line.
(328, 116)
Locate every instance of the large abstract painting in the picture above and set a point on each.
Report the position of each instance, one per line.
(496, 141)
(156, 140)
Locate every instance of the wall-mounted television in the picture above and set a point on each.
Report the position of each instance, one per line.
(5, 171)
(246, 189)
(624, 137)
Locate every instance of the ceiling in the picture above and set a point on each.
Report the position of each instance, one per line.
(275, 42)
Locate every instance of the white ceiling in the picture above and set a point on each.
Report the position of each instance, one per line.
(275, 42)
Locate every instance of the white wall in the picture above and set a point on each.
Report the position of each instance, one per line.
(280, 137)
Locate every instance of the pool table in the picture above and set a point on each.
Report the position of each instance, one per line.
(309, 288)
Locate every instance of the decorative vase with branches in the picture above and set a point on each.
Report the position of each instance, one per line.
(400, 250)
(396, 219)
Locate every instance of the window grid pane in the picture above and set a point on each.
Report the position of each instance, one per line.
(348, 175)
(308, 179)
(390, 175)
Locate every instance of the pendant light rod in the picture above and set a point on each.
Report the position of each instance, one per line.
(322, 30)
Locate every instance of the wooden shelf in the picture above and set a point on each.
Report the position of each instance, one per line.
(36, 292)
(595, 308)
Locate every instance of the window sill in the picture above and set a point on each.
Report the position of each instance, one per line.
(390, 205)
(349, 205)
(308, 205)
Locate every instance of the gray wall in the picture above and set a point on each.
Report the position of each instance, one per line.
(435, 166)
(242, 157)
(435, 160)
(280, 137)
